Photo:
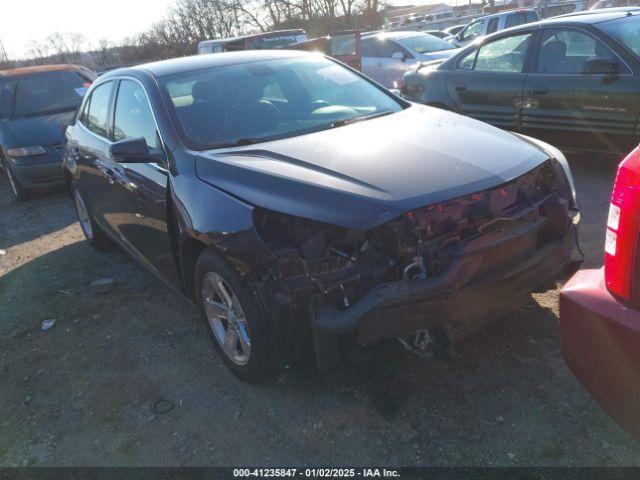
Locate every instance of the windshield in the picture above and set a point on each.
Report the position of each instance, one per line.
(42, 93)
(626, 30)
(424, 44)
(259, 101)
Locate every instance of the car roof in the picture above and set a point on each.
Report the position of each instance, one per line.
(594, 16)
(14, 72)
(506, 12)
(212, 60)
(395, 35)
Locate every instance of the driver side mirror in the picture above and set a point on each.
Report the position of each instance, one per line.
(600, 66)
(399, 56)
(131, 150)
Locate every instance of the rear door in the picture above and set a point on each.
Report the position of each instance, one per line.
(576, 110)
(141, 188)
(487, 82)
(89, 149)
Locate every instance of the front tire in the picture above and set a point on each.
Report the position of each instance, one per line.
(19, 192)
(96, 238)
(234, 318)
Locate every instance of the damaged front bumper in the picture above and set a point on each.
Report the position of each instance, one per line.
(465, 298)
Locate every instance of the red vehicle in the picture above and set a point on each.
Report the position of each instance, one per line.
(600, 309)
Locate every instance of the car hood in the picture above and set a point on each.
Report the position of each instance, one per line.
(362, 175)
(40, 130)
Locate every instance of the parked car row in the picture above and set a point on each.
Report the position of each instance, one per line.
(573, 81)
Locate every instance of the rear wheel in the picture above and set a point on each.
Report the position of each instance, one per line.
(92, 232)
(234, 318)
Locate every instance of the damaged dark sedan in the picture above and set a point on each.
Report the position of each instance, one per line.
(303, 208)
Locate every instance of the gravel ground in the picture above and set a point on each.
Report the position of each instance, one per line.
(88, 390)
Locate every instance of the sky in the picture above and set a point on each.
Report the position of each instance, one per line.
(26, 20)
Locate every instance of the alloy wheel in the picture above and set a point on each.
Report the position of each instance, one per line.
(226, 318)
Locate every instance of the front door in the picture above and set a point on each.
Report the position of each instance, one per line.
(141, 188)
(569, 104)
(89, 149)
(487, 83)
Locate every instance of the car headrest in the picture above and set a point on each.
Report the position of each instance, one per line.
(554, 49)
(204, 91)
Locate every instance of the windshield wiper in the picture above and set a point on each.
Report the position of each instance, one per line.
(239, 142)
(347, 121)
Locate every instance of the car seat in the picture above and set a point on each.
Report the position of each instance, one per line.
(250, 114)
(553, 57)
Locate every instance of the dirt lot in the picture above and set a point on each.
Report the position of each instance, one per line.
(83, 392)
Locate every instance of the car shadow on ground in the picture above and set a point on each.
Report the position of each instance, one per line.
(122, 350)
(46, 212)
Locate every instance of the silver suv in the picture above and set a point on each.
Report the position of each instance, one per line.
(494, 23)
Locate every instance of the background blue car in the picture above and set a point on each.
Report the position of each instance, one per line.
(36, 105)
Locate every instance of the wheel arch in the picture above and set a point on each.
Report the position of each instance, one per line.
(194, 226)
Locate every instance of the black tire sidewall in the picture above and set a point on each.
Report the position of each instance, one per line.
(100, 240)
(21, 192)
(259, 364)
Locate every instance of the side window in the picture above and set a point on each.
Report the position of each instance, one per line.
(97, 110)
(473, 30)
(133, 117)
(387, 49)
(511, 20)
(466, 62)
(505, 55)
(567, 51)
(370, 47)
(493, 25)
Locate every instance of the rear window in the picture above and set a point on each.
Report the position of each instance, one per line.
(625, 30)
(520, 18)
(42, 93)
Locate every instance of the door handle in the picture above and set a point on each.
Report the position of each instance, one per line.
(379, 65)
(111, 176)
(106, 171)
(541, 90)
(461, 88)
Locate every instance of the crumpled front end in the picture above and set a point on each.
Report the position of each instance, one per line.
(446, 268)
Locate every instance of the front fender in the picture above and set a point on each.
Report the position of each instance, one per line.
(216, 219)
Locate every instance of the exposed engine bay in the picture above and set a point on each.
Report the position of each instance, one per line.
(342, 264)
